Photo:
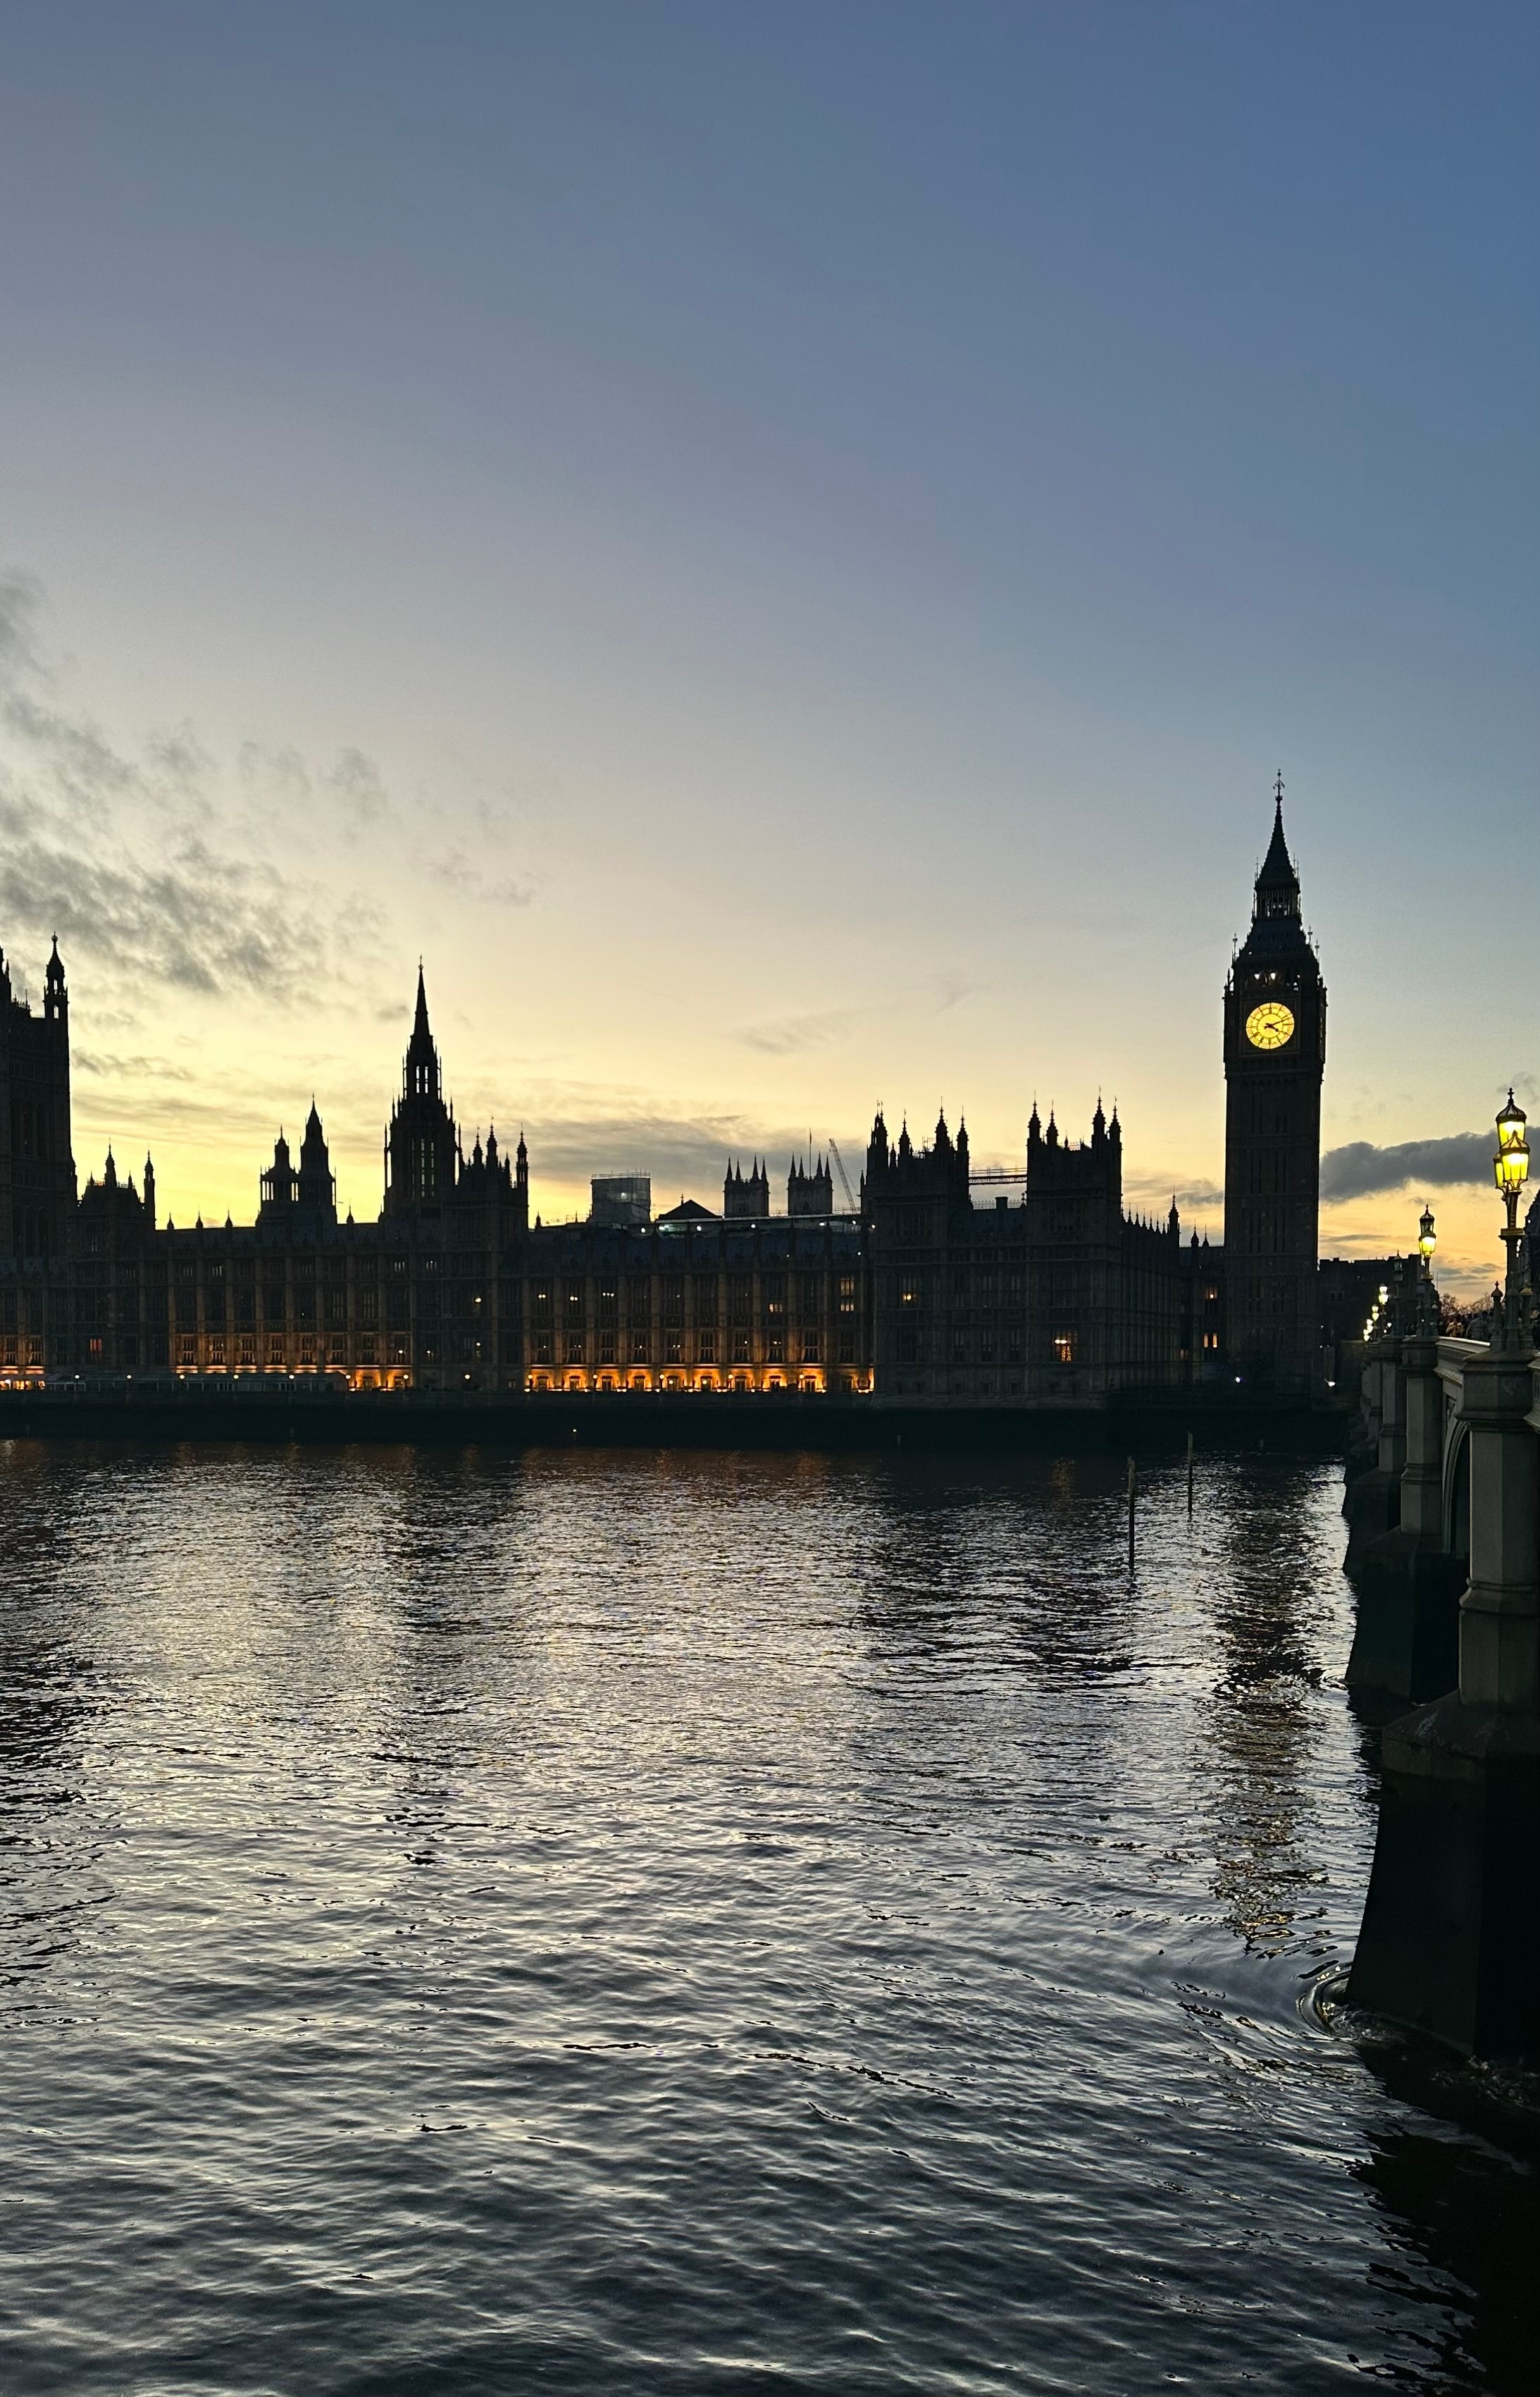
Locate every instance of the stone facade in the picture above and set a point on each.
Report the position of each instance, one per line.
(1047, 1294)
(1058, 1300)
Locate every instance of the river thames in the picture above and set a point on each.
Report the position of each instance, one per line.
(620, 1921)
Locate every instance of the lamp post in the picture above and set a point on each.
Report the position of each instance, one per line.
(1510, 1167)
(1428, 1299)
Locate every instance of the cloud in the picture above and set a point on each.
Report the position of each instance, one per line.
(20, 595)
(268, 770)
(1149, 1190)
(112, 1068)
(785, 1037)
(572, 1134)
(180, 756)
(122, 857)
(1359, 1168)
(355, 780)
(195, 918)
(462, 876)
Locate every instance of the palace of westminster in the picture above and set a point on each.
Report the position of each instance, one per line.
(932, 1290)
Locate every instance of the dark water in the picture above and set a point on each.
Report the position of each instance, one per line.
(699, 1923)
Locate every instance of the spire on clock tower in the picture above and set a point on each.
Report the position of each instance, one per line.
(1276, 884)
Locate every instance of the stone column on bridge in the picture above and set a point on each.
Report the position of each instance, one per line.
(1372, 1501)
(1451, 1936)
(1363, 1439)
(1500, 1612)
(1406, 1641)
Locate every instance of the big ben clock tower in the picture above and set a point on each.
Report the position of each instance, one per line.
(1275, 1054)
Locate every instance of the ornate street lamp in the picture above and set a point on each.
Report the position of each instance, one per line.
(1510, 1171)
(1425, 1305)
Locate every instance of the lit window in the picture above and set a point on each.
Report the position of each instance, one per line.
(1063, 1347)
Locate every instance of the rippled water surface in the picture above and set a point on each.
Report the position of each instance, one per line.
(612, 1923)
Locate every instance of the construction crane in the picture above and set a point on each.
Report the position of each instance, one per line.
(844, 1177)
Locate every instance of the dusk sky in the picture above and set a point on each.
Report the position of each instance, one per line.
(781, 550)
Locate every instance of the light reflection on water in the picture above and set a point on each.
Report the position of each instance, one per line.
(616, 1922)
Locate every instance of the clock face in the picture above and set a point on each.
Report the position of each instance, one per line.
(1269, 1025)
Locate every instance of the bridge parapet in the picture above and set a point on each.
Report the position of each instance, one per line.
(1450, 1615)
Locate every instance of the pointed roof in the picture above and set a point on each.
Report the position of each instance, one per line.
(1277, 867)
(1277, 931)
(419, 1021)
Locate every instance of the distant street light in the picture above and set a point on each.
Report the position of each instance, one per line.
(1427, 1239)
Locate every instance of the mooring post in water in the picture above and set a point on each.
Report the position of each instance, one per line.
(1134, 1483)
(1190, 1473)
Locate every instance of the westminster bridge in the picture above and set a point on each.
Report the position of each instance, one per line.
(1443, 1512)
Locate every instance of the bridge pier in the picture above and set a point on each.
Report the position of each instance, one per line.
(1451, 1936)
(1372, 1501)
(1406, 1641)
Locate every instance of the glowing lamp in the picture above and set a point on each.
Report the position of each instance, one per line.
(1510, 1170)
(1427, 1239)
(1511, 1164)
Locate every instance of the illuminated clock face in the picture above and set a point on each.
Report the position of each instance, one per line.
(1269, 1025)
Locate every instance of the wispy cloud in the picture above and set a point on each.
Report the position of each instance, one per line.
(123, 853)
(1359, 1169)
(108, 1067)
(1192, 1198)
(784, 1036)
(460, 874)
(573, 1133)
(353, 780)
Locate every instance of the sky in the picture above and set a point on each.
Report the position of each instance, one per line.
(780, 551)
